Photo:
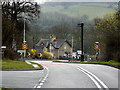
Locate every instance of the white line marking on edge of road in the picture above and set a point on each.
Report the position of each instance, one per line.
(41, 84)
(95, 77)
(42, 79)
(38, 86)
(96, 83)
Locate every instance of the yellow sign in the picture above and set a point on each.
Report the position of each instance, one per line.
(24, 46)
(39, 55)
(53, 37)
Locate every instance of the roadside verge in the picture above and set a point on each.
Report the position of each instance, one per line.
(11, 65)
(109, 63)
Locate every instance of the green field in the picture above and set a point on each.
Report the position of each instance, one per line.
(10, 64)
(90, 9)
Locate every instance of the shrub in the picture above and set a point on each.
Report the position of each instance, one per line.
(47, 55)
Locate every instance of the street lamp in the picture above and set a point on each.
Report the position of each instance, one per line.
(82, 48)
(24, 42)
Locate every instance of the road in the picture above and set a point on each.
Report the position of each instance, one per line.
(63, 75)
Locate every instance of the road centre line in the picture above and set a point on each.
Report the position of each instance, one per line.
(42, 80)
(96, 83)
(94, 76)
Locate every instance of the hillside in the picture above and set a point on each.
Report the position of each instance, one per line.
(55, 13)
(79, 9)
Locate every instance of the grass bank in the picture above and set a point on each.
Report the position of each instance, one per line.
(109, 63)
(37, 64)
(11, 64)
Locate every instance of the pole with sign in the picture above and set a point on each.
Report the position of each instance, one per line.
(97, 48)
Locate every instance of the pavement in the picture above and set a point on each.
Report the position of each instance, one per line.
(63, 75)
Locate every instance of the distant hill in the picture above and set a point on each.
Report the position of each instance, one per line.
(74, 9)
(54, 13)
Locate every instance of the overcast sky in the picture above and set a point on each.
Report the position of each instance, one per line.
(43, 1)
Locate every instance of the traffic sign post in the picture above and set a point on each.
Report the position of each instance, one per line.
(97, 48)
(24, 46)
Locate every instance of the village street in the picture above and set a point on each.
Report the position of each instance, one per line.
(63, 75)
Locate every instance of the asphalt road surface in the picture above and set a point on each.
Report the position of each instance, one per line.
(63, 75)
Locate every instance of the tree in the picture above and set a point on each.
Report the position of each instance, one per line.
(12, 16)
(14, 10)
(109, 32)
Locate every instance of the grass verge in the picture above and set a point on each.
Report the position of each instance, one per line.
(109, 63)
(11, 64)
(6, 89)
(37, 64)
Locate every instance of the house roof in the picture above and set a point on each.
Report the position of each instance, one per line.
(56, 43)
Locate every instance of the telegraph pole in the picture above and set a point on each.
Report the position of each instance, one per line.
(72, 43)
(82, 47)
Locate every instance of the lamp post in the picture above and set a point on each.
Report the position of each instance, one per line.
(82, 48)
(24, 42)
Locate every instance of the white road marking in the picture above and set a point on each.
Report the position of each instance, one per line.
(96, 83)
(27, 62)
(35, 66)
(42, 80)
(41, 84)
(38, 86)
(95, 77)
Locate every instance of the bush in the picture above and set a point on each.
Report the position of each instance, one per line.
(47, 55)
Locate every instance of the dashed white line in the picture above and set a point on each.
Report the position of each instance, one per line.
(42, 80)
(41, 84)
(38, 86)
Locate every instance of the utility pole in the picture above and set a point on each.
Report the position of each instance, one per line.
(72, 43)
(82, 48)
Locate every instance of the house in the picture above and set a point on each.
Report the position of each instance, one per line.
(58, 47)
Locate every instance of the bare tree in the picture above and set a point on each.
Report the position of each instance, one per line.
(15, 10)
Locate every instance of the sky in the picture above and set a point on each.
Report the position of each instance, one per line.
(43, 1)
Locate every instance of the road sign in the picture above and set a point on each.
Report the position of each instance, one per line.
(96, 46)
(39, 55)
(28, 54)
(3, 47)
(24, 46)
(21, 51)
(79, 52)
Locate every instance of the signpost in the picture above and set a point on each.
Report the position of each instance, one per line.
(3, 47)
(24, 46)
(97, 48)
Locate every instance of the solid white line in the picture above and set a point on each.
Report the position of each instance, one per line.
(96, 83)
(95, 77)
